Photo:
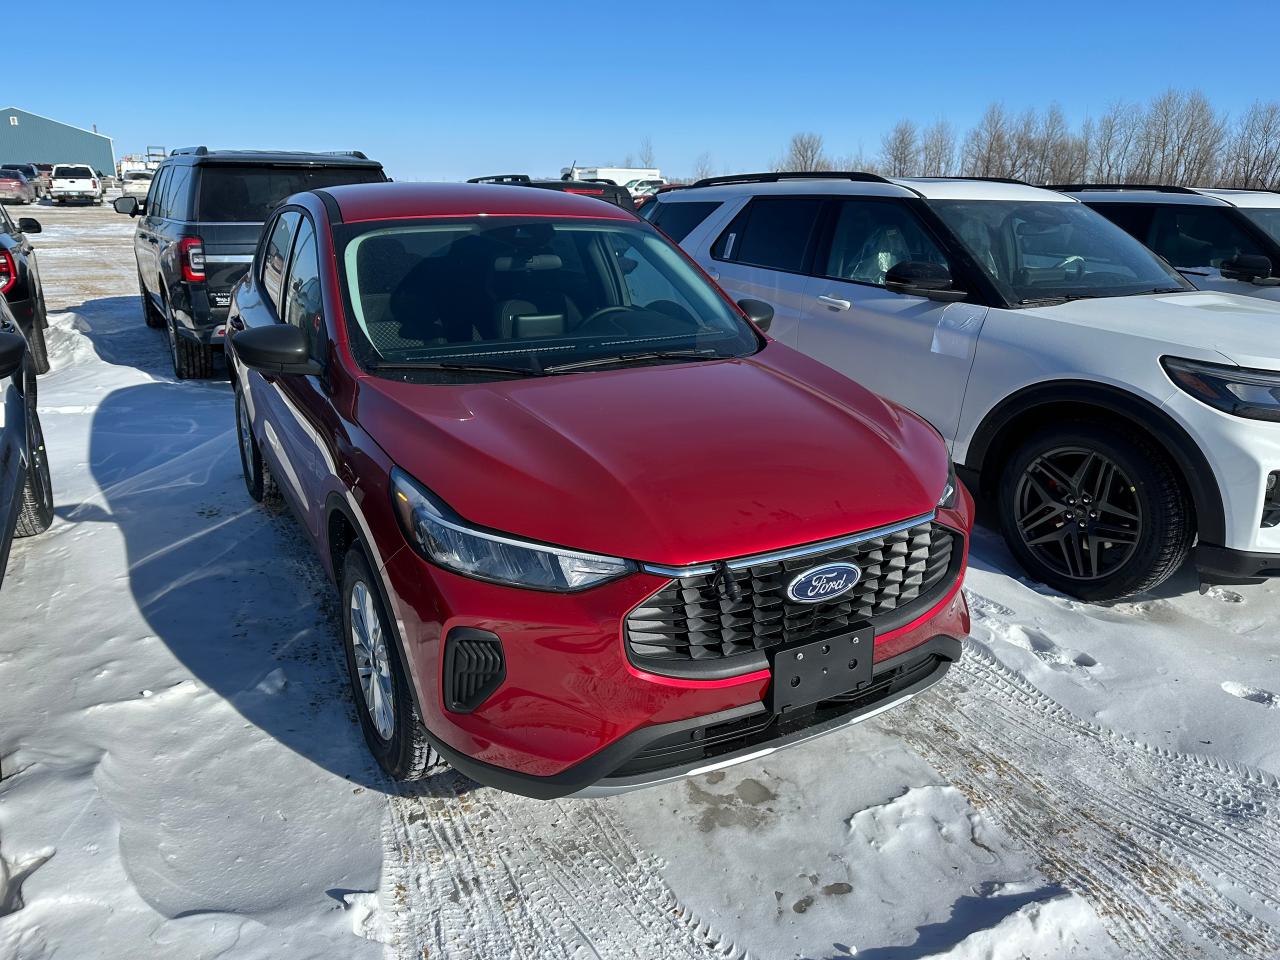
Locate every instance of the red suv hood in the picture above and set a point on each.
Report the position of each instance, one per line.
(674, 464)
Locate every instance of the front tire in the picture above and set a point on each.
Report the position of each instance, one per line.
(257, 478)
(37, 347)
(1095, 511)
(379, 682)
(152, 316)
(37, 493)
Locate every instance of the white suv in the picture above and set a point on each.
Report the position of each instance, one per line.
(1116, 414)
(1219, 239)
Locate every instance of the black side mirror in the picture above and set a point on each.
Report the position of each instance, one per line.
(279, 348)
(129, 206)
(1247, 267)
(29, 225)
(918, 278)
(12, 350)
(758, 312)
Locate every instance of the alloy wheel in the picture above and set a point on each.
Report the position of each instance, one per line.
(1079, 512)
(373, 664)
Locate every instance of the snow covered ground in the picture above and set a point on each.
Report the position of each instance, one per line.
(183, 776)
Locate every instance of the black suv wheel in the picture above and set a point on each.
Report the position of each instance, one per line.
(192, 360)
(1095, 511)
(152, 316)
(37, 493)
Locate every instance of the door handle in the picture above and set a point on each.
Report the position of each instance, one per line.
(835, 302)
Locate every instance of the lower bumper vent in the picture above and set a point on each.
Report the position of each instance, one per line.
(474, 667)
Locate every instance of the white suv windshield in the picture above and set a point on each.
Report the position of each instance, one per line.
(530, 296)
(1267, 218)
(1037, 250)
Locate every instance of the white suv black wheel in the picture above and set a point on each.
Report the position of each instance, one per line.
(1094, 511)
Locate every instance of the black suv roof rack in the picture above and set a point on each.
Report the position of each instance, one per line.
(503, 178)
(776, 176)
(1152, 187)
(203, 151)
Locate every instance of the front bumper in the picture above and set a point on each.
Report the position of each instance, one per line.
(572, 713)
(663, 753)
(1224, 565)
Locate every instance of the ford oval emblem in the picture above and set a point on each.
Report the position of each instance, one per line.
(824, 583)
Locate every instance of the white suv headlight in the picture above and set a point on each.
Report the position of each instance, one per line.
(442, 537)
(1235, 390)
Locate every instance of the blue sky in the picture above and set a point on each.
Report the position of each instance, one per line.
(448, 91)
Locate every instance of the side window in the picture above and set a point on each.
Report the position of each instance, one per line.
(176, 197)
(871, 237)
(276, 256)
(677, 220)
(1194, 236)
(156, 192)
(771, 233)
(1133, 218)
(303, 305)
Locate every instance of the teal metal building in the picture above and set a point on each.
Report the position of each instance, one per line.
(30, 138)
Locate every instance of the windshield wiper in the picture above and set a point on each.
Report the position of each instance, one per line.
(630, 358)
(412, 365)
(1067, 298)
(1174, 289)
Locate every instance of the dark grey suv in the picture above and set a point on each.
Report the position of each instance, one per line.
(198, 228)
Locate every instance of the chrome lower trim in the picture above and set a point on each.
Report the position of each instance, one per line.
(791, 553)
(228, 258)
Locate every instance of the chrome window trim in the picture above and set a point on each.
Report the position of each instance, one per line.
(792, 553)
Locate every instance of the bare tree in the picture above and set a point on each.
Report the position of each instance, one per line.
(1180, 140)
(986, 151)
(702, 167)
(646, 152)
(1253, 157)
(900, 150)
(937, 150)
(1117, 144)
(805, 152)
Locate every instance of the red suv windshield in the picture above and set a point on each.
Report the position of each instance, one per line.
(530, 295)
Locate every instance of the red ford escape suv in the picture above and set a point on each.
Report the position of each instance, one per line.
(591, 529)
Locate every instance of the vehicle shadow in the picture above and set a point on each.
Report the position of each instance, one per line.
(232, 588)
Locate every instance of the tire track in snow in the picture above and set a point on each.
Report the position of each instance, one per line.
(1178, 854)
(476, 874)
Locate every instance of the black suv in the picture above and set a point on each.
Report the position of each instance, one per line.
(198, 228)
(20, 284)
(605, 190)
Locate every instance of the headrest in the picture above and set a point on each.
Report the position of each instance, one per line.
(534, 261)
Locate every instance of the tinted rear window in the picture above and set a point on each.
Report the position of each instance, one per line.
(677, 220)
(73, 173)
(248, 194)
(775, 234)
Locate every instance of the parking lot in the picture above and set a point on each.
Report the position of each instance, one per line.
(186, 775)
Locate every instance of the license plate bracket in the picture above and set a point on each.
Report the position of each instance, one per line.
(822, 669)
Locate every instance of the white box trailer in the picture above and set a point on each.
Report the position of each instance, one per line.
(619, 175)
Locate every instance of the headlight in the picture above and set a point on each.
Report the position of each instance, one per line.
(948, 498)
(1236, 390)
(444, 538)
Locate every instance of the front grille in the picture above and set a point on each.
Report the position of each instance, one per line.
(709, 742)
(694, 623)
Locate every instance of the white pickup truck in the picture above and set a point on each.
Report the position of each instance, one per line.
(75, 181)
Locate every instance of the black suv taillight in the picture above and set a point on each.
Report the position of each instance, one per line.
(474, 667)
(8, 271)
(191, 252)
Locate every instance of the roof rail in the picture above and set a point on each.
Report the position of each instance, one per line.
(502, 178)
(1013, 180)
(198, 151)
(358, 154)
(776, 176)
(1151, 187)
